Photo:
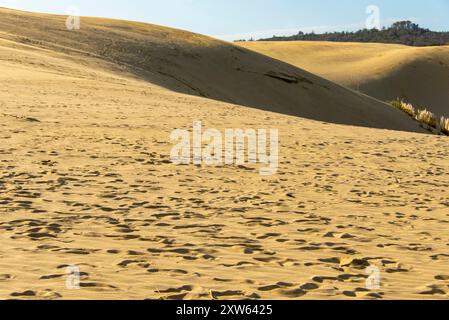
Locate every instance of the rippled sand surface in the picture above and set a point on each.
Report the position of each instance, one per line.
(86, 182)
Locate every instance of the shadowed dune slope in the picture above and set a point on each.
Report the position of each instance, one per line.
(190, 63)
(383, 71)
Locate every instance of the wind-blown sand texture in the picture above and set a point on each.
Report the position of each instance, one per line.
(86, 180)
(419, 75)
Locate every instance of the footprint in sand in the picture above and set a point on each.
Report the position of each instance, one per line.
(26, 293)
(5, 277)
(433, 290)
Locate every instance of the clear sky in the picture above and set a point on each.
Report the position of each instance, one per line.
(235, 19)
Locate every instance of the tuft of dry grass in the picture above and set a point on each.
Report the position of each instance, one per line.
(405, 107)
(444, 125)
(408, 108)
(427, 117)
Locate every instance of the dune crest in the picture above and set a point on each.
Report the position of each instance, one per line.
(190, 63)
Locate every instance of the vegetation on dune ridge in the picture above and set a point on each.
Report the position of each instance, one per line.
(406, 107)
(402, 32)
(426, 118)
(444, 125)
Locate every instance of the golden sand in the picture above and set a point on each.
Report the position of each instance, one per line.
(86, 179)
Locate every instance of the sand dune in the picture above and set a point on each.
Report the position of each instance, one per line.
(194, 64)
(383, 71)
(86, 181)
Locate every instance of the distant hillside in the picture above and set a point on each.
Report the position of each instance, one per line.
(402, 32)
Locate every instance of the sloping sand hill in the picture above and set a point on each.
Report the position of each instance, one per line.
(86, 181)
(198, 65)
(383, 71)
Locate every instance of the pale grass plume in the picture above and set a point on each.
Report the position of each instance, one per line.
(427, 117)
(405, 107)
(408, 108)
(444, 125)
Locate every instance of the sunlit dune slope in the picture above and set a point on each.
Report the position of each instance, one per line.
(383, 71)
(86, 180)
(198, 65)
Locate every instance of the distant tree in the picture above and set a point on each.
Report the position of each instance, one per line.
(401, 32)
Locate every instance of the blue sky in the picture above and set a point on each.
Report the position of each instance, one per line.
(235, 19)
